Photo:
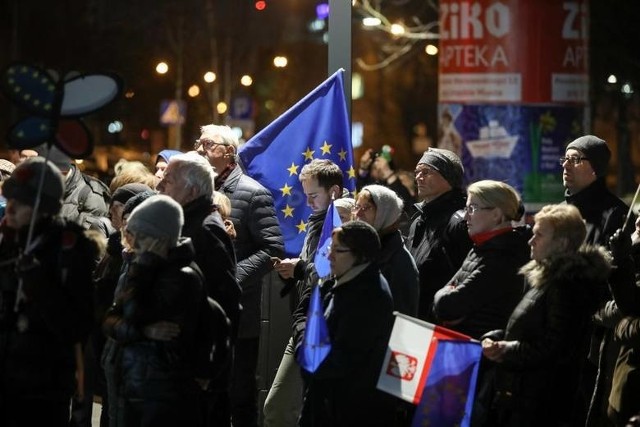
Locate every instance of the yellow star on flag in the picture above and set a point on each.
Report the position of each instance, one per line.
(288, 211)
(351, 172)
(326, 148)
(342, 154)
(308, 155)
(286, 190)
(293, 169)
(302, 227)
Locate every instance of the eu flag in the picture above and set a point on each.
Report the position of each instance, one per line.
(449, 391)
(321, 259)
(316, 127)
(316, 345)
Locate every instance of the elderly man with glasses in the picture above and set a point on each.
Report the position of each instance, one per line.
(258, 240)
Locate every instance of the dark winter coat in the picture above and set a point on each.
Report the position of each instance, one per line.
(258, 239)
(84, 205)
(482, 294)
(342, 392)
(215, 256)
(37, 342)
(438, 241)
(157, 289)
(400, 271)
(538, 377)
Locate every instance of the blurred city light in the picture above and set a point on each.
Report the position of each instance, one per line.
(612, 79)
(370, 21)
(397, 29)
(246, 80)
(261, 5)
(209, 77)
(626, 89)
(115, 126)
(317, 25)
(162, 68)
(431, 49)
(221, 107)
(194, 90)
(280, 61)
(322, 10)
(129, 94)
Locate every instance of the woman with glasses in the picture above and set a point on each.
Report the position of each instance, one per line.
(537, 355)
(381, 208)
(484, 291)
(359, 313)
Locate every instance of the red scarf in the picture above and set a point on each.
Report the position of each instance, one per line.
(480, 238)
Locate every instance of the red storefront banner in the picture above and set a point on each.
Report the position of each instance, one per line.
(513, 51)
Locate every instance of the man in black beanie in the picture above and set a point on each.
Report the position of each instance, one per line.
(584, 169)
(438, 237)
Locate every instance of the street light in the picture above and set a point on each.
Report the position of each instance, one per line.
(162, 67)
(280, 61)
(246, 80)
(209, 77)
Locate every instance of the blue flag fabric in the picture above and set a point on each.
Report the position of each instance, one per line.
(321, 259)
(317, 344)
(449, 391)
(317, 127)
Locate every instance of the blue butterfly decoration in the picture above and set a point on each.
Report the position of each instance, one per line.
(54, 106)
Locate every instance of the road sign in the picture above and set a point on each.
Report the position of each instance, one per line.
(241, 107)
(172, 112)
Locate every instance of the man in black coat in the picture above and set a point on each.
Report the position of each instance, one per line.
(438, 237)
(189, 180)
(584, 170)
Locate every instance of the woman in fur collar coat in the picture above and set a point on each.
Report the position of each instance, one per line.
(547, 334)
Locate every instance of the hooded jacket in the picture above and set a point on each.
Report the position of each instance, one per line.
(538, 377)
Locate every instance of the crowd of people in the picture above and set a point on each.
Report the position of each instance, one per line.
(147, 293)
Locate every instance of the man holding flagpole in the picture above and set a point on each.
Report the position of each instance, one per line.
(322, 181)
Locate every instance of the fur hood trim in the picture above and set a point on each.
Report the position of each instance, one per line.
(591, 263)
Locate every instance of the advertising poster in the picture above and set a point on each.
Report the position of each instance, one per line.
(517, 144)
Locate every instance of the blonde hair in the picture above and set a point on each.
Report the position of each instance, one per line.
(567, 223)
(224, 204)
(499, 195)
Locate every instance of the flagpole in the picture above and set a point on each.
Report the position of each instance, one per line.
(627, 221)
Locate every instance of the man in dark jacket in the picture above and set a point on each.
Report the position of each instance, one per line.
(46, 303)
(322, 181)
(438, 237)
(189, 180)
(258, 239)
(584, 169)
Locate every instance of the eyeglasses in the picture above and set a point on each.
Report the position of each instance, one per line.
(207, 144)
(575, 161)
(361, 208)
(472, 209)
(333, 249)
(424, 171)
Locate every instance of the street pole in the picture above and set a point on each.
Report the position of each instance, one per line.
(179, 71)
(340, 44)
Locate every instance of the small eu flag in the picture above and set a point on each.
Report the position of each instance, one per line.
(317, 127)
(321, 260)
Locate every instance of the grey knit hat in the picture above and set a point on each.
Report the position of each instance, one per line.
(446, 163)
(388, 205)
(595, 150)
(22, 185)
(361, 238)
(159, 217)
(127, 191)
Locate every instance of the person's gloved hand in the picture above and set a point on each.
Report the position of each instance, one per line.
(620, 245)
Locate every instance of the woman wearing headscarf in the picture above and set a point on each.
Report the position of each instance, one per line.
(381, 208)
(536, 377)
(358, 311)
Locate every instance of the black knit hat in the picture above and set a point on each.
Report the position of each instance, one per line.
(361, 238)
(127, 191)
(446, 163)
(595, 150)
(22, 185)
(134, 201)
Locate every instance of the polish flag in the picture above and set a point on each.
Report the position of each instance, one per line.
(412, 347)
